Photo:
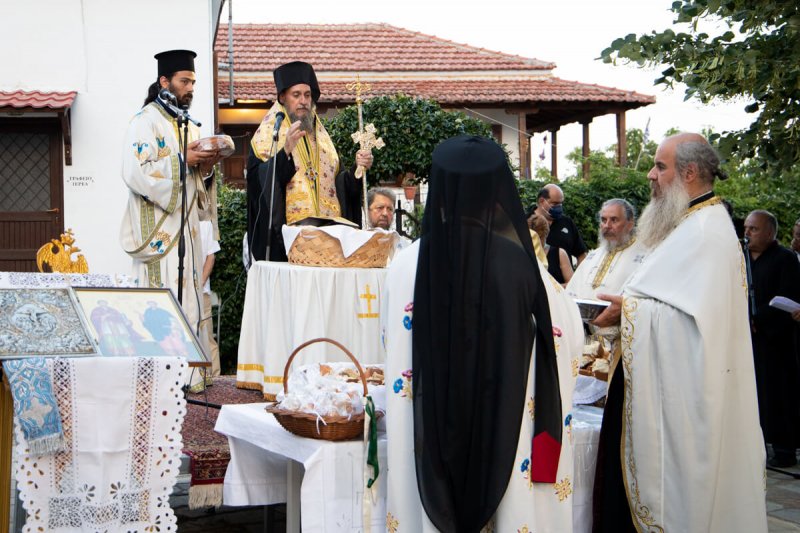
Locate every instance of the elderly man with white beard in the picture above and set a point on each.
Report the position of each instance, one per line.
(681, 445)
(605, 270)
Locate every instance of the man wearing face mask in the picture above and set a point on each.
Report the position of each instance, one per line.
(563, 231)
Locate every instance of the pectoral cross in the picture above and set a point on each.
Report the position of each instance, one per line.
(368, 296)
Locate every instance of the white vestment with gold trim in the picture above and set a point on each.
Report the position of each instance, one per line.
(692, 451)
(605, 272)
(526, 507)
(150, 227)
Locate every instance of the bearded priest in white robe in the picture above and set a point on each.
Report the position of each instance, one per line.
(608, 266)
(604, 271)
(151, 162)
(691, 447)
(439, 293)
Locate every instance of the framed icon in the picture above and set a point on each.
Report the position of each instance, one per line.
(42, 322)
(139, 322)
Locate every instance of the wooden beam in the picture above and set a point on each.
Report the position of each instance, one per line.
(554, 153)
(586, 150)
(524, 146)
(215, 63)
(6, 440)
(622, 141)
(66, 133)
(516, 109)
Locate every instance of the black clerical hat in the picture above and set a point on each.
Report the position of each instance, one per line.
(175, 60)
(293, 73)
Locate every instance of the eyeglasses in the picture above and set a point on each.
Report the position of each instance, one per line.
(377, 208)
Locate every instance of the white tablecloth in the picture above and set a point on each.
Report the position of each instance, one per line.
(286, 305)
(332, 487)
(586, 422)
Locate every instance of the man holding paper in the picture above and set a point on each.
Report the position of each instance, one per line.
(776, 272)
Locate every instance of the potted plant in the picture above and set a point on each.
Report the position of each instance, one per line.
(409, 186)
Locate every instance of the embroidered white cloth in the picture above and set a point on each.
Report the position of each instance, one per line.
(286, 305)
(35, 280)
(332, 488)
(121, 418)
(526, 506)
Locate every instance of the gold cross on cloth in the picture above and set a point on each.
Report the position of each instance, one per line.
(368, 296)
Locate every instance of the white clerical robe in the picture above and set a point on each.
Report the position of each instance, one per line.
(525, 506)
(692, 451)
(605, 272)
(151, 225)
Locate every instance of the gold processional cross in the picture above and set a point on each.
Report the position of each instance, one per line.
(364, 137)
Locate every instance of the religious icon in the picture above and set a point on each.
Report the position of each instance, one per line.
(140, 322)
(42, 322)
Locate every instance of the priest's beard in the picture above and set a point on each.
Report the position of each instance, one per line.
(306, 121)
(614, 244)
(185, 100)
(663, 213)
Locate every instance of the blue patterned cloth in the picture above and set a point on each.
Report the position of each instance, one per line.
(35, 406)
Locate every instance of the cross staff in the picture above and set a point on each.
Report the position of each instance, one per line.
(364, 137)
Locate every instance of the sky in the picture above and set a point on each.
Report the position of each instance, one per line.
(570, 33)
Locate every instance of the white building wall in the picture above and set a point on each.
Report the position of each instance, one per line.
(509, 135)
(103, 49)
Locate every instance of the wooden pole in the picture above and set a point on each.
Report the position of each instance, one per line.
(554, 153)
(622, 141)
(524, 146)
(6, 435)
(586, 150)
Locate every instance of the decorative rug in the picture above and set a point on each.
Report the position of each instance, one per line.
(208, 450)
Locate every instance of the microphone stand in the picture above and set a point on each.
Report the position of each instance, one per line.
(271, 193)
(398, 219)
(751, 293)
(183, 120)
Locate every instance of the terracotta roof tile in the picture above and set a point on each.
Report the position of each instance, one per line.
(358, 47)
(37, 99)
(451, 91)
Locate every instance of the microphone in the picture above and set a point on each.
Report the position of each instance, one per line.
(167, 96)
(279, 116)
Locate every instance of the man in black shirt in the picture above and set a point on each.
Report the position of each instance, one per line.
(563, 231)
(776, 272)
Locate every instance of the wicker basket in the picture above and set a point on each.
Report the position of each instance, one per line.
(307, 424)
(314, 247)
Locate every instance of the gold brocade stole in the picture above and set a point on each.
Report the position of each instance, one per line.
(714, 200)
(541, 255)
(605, 265)
(312, 190)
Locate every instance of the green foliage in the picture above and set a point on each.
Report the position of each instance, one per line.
(754, 60)
(411, 129)
(229, 277)
(582, 199)
(748, 188)
(412, 228)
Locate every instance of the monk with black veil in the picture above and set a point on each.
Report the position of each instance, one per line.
(480, 319)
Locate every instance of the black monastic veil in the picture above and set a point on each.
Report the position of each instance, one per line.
(479, 303)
